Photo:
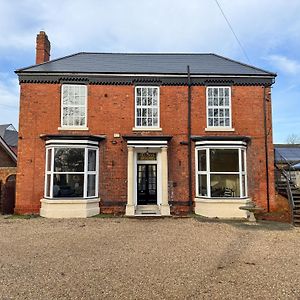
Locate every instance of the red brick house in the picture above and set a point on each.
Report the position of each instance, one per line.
(142, 134)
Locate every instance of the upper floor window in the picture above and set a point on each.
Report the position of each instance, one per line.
(218, 107)
(147, 107)
(74, 106)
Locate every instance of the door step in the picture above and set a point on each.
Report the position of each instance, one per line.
(147, 211)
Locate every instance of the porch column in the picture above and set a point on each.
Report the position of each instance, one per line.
(165, 207)
(130, 184)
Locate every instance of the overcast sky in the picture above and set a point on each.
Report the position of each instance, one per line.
(269, 31)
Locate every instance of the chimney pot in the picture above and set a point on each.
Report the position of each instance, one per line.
(42, 48)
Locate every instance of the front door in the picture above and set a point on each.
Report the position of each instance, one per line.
(146, 184)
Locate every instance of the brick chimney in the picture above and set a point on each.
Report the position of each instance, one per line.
(42, 48)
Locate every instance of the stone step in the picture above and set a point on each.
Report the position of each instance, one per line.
(147, 211)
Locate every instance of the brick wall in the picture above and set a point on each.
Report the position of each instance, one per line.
(111, 110)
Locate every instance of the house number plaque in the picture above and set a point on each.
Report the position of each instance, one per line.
(146, 156)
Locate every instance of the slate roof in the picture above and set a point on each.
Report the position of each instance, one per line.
(9, 134)
(291, 153)
(146, 63)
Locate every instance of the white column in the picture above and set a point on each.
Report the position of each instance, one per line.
(130, 183)
(165, 207)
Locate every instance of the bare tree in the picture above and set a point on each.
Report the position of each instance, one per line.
(293, 139)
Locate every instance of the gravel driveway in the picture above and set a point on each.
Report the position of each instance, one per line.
(119, 258)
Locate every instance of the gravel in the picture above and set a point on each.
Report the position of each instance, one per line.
(120, 258)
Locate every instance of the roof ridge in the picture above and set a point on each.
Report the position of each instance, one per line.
(149, 53)
(244, 64)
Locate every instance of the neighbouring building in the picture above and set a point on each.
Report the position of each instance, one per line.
(8, 167)
(143, 134)
(287, 157)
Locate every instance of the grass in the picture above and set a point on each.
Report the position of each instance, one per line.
(105, 216)
(21, 216)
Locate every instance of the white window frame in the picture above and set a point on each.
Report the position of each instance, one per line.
(51, 172)
(222, 107)
(141, 107)
(67, 127)
(242, 156)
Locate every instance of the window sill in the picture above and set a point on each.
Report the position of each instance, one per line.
(146, 129)
(219, 129)
(220, 199)
(73, 128)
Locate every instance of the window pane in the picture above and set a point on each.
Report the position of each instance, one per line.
(67, 185)
(49, 157)
(243, 161)
(65, 95)
(138, 91)
(82, 120)
(92, 160)
(225, 185)
(202, 185)
(91, 185)
(48, 181)
(224, 160)
(202, 160)
(209, 92)
(138, 101)
(244, 186)
(69, 160)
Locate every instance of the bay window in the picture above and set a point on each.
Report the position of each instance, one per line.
(71, 171)
(221, 171)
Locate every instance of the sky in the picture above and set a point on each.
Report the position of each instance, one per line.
(268, 30)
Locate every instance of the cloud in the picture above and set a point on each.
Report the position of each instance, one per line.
(266, 29)
(285, 64)
(140, 25)
(9, 92)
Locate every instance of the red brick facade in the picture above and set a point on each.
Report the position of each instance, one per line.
(110, 111)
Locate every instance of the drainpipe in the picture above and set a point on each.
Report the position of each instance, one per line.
(266, 148)
(189, 140)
